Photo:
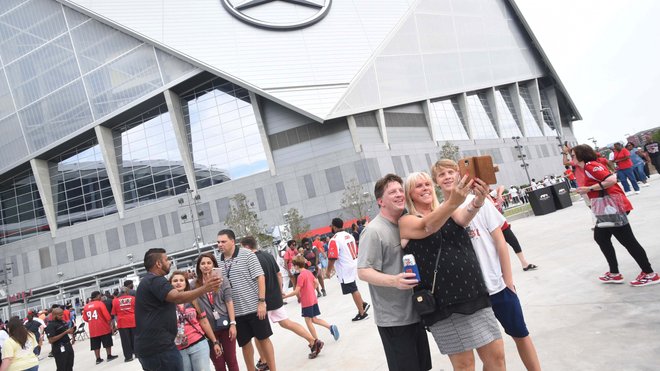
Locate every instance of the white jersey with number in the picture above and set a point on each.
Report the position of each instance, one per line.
(342, 247)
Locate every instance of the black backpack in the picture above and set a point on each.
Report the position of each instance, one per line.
(33, 326)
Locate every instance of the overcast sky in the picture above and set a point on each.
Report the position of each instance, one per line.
(607, 55)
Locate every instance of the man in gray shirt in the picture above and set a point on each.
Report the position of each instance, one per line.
(380, 264)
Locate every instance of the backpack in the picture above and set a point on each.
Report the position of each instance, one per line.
(33, 326)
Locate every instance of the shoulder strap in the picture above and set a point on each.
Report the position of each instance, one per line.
(435, 269)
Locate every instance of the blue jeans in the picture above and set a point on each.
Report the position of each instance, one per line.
(639, 172)
(167, 360)
(627, 174)
(196, 357)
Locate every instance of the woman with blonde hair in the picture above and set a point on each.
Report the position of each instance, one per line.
(463, 320)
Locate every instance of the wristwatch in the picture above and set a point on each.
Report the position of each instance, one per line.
(216, 343)
(262, 300)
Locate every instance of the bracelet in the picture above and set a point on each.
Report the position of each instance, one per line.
(475, 205)
(232, 323)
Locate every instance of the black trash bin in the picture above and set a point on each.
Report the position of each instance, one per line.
(542, 201)
(562, 195)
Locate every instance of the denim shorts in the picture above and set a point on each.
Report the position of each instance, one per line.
(508, 311)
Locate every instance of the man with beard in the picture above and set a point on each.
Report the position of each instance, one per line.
(155, 313)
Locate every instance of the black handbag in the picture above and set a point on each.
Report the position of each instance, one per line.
(222, 323)
(423, 300)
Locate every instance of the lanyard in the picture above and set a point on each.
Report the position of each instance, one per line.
(228, 269)
(210, 296)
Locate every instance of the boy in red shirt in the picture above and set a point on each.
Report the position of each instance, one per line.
(306, 289)
(96, 315)
(123, 307)
(570, 176)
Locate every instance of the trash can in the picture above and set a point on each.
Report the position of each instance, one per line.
(562, 195)
(542, 201)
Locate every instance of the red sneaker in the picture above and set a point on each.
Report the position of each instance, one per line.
(645, 279)
(611, 278)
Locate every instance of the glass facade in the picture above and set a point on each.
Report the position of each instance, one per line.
(446, 116)
(507, 115)
(223, 135)
(65, 70)
(481, 117)
(148, 158)
(530, 120)
(549, 122)
(81, 189)
(21, 211)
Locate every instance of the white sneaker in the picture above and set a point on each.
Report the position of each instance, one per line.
(645, 184)
(629, 193)
(636, 192)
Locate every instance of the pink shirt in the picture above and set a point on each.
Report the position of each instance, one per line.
(192, 329)
(289, 254)
(579, 173)
(307, 292)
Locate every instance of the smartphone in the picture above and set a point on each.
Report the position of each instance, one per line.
(478, 167)
(217, 272)
(410, 266)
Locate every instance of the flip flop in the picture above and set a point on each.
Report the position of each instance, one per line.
(530, 267)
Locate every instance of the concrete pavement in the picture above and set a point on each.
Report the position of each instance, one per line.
(575, 322)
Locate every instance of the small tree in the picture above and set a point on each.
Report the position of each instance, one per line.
(296, 223)
(355, 199)
(245, 222)
(656, 136)
(449, 151)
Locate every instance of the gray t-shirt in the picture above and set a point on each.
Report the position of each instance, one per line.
(380, 249)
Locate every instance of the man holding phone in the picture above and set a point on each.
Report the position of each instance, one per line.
(58, 333)
(380, 264)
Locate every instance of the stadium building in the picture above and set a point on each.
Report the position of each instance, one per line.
(110, 111)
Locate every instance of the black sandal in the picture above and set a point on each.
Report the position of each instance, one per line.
(530, 267)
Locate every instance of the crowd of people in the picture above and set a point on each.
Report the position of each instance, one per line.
(193, 320)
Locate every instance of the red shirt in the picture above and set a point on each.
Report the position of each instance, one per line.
(124, 308)
(96, 315)
(569, 174)
(318, 244)
(289, 254)
(597, 172)
(625, 164)
(307, 292)
(579, 173)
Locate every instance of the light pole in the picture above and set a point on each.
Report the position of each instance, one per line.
(195, 216)
(129, 256)
(287, 226)
(593, 139)
(522, 156)
(60, 282)
(5, 272)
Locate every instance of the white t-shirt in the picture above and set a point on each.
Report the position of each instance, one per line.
(487, 220)
(342, 247)
(282, 264)
(513, 192)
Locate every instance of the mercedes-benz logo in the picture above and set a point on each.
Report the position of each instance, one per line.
(240, 10)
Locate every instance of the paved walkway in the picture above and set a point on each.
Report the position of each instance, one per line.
(576, 322)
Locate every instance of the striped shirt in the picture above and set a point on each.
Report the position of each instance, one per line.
(242, 271)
